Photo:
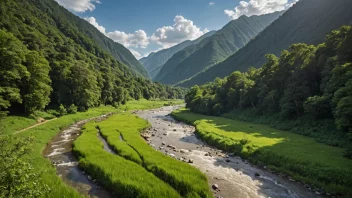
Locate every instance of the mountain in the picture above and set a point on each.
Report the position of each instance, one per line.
(62, 16)
(308, 21)
(218, 47)
(154, 62)
(52, 58)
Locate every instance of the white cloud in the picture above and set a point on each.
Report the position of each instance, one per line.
(79, 5)
(211, 3)
(167, 36)
(138, 39)
(136, 54)
(94, 22)
(258, 7)
(183, 29)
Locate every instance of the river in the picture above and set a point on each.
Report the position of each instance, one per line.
(234, 177)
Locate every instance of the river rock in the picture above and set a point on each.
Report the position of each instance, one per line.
(227, 160)
(183, 151)
(256, 174)
(163, 143)
(215, 187)
(190, 161)
(89, 178)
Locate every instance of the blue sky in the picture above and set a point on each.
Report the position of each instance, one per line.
(144, 26)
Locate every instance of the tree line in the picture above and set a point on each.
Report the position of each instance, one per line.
(305, 81)
(46, 61)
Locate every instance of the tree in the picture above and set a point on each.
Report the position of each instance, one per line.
(37, 89)
(12, 70)
(83, 86)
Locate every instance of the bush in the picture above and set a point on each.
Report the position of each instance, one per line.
(72, 109)
(18, 178)
(62, 110)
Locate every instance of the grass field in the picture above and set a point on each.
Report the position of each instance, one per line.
(122, 177)
(187, 180)
(301, 157)
(44, 133)
(148, 104)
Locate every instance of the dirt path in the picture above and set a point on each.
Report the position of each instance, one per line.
(234, 176)
(25, 129)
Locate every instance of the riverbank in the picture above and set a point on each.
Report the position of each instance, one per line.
(43, 134)
(228, 176)
(321, 168)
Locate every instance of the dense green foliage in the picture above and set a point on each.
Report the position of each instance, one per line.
(310, 83)
(306, 22)
(184, 178)
(211, 50)
(17, 177)
(319, 165)
(50, 57)
(123, 177)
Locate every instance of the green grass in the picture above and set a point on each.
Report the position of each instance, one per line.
(42, 135)
(148, 104)
(187, 180)
(12, 124)
(112, 136)
(298, 156)
(122, 177)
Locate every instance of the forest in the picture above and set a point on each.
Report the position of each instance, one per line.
(308, 89)
(46, 62)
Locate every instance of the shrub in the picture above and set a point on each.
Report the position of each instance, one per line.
(72, 109)
(62, 110)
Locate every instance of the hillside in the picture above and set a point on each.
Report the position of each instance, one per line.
(61, 16)
(48, 60)
(154, 62)
(298, 24)
(214, 49)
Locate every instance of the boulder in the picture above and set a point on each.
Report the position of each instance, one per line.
(190, 161)
(256, 174)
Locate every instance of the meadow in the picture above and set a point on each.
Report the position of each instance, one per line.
(44, 133)
(124, 178)
(184, 178)
(300, 157)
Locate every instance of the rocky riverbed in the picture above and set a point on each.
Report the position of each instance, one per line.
(229, 176)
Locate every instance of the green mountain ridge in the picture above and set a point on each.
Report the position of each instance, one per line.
(214, 49)
(119, 52)
(298, 24)
(51, 58)
(155, 61)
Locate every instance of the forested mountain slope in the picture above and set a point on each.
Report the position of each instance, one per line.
(46, 58)
(214, 49)
(155, 61)
(308, 21)
(65, 20)
(307, 90)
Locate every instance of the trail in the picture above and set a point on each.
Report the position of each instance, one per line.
(30, 127)
(235, 176)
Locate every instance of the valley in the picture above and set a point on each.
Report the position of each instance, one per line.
(171, 99)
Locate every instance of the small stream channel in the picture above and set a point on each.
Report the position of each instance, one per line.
(59, 151)
(235, 177)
